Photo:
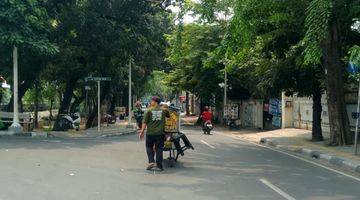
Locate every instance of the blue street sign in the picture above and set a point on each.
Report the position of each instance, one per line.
(352, 68)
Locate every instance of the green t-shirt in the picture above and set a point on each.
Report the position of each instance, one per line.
(155, 120)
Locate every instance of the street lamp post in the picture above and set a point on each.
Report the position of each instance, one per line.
(99, 106)
(15, 126)
(225, 89)
(130, 100)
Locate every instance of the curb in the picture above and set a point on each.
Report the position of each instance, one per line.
(47, 135)
(26, 134)
(117, 134)
(353, 166)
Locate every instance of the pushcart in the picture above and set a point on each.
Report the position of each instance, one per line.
(176, 143)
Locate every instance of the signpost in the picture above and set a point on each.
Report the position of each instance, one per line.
(130, 101)
(354, 69)
(357, 123)
(98, 80)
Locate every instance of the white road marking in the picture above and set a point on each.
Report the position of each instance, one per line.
(294, 156)
(207, 144)
(276, 189)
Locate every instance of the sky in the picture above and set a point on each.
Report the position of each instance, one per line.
(188, 18)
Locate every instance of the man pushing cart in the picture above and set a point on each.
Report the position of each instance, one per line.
(175, 141)
(155, 121)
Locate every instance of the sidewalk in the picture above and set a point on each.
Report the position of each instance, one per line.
(299, 141)
(105, 131)
(189, 120)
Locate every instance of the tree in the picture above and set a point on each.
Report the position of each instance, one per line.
(97, 38)
(190, 72)
(25, 24)
(328, 35)
(157, 85)
(263, 53)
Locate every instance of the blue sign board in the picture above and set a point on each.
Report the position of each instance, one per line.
(275, 107)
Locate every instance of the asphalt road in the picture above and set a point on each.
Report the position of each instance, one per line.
(221, 167)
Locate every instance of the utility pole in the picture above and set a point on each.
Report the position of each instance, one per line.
(225, 90)
(15, 126)
(225, 76)
(130, 101)
(99, 106)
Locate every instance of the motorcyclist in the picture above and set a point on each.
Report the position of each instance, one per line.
(206, 115)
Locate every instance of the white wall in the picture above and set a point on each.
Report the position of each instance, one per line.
(302, 113)
(250, 113)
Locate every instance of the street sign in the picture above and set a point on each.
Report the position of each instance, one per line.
(87, 79)
(98, 80)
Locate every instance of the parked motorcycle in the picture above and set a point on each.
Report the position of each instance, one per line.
(109, 119)
(207, 127)
(70, 121)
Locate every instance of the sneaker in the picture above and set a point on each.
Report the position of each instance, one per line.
(159, 168)
(150, 166)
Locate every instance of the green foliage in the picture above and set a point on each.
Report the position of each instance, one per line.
(157, 85)
(62, 42)
(191, 71)
(317, 24)
(25, 23)
(259, 46)
(355, 55)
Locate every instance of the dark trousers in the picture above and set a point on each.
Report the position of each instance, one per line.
(158, 142)
(139, 121)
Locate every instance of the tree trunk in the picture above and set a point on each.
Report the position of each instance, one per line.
(187, 109)
(36, 117)
(317, 110)
(76, 104)
(1, 95)
(66, 101)
(202, 106)
(113, 102)
(51, 109)
(339, 122)
(192, 109)
(22, 90)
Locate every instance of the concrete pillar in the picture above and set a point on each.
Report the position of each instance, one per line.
(130, 100)
(286, 111)
(15, 126)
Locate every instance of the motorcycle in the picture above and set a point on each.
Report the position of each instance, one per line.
(109, 119)
(207, 127)
(70, 121)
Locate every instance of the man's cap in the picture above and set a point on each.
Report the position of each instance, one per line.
(156, 99)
